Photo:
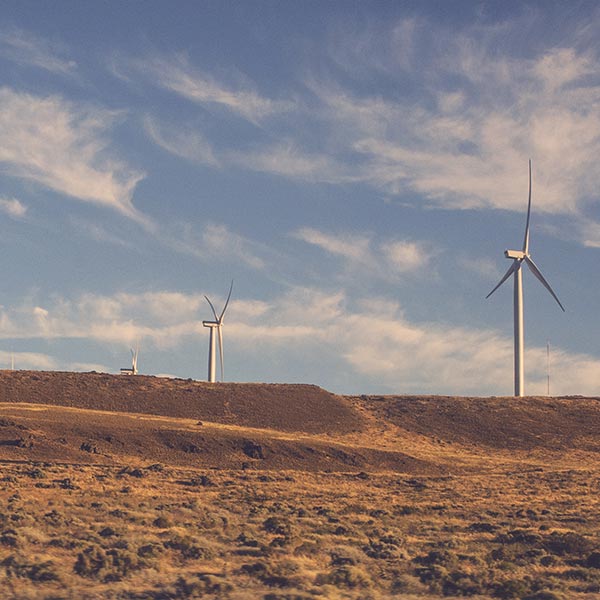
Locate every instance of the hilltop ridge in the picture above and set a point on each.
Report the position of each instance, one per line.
(102, 418)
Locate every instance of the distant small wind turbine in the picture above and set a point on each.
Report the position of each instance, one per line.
(134, 360)
(218, 325)
(519, 257)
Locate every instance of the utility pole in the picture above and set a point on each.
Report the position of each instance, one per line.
(548, 366)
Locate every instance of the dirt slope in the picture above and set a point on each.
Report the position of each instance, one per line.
(59, 434)
(509, 423)
(286, 407)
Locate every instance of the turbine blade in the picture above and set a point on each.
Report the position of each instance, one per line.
(511, 270)
(213, 308)
(221, 352)
(226, 302)
(533, 268)
(526, 239)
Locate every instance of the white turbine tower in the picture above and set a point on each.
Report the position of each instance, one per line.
(519, 257)
(217, 325)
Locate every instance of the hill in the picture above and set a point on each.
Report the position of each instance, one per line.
(148, 488)
(107, 419)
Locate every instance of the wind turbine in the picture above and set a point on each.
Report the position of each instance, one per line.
(218, 325)
(134, 359)
(519, 257)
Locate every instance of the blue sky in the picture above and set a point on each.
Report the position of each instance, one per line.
(358, 168)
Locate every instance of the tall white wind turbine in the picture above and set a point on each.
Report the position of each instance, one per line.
(134, 362)
(217, 325)
(519, 257)
(134, 359)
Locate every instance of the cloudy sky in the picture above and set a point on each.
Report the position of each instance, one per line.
(357, 168)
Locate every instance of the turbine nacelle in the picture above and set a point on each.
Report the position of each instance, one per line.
(211, 323)
(515, 254)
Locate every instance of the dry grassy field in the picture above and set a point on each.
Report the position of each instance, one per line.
(146, 488)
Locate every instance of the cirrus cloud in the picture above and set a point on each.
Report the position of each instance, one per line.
(64, 147)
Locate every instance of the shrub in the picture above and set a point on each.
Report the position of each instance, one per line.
(132, 472)
(9, 538)
(292, 596)
(273, 575)
(519, 536)
(89, 447)
(345, 556)
(459, 583)
(107, 532)
(543, 595)
(107, 565)
(436, 557)
(162, 522)
(593, 560)
(253, 450)
(35, 571)
(205, 583)
(277, 526)
(347, 576)
(37, 473)
(156, 467)
(431, 574)
(482, 527)
(380, 550)
(188, 547)
(568, 543)
(513, 588)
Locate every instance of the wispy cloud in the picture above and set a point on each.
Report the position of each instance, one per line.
(456, 117)
(354, 247)
(26, 49)
(481, 114)
(187, 144)
(65, 148)
(176, 74)
(13, 207)
(591, 234)
(98, 233)
(287, 159)
(484, 267)
(283, 158)
(373, 257)
(217, 242)
(163, 318)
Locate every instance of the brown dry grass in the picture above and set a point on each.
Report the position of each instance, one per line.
(355, 498)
